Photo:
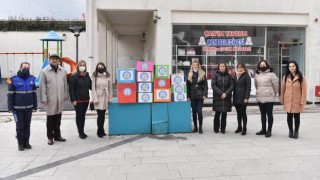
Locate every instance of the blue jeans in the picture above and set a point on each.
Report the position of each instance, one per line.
(196, 105)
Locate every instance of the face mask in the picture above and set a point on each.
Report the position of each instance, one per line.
(101, 70)
(82, 68)
(263, 69)
(24, 73)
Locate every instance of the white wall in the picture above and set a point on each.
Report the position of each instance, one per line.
(149, 44)
(130, 50)
(30, 42)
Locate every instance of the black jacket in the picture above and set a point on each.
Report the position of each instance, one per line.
(242, 88)
(195, 89)
(221, 83)
(79, 87)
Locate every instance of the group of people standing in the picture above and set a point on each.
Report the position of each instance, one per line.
(54, 91)
(228, 90)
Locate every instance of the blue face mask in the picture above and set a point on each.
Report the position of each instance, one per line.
(24, 73)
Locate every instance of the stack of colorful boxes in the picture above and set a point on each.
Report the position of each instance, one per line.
(178, 87)
(127, 92)
(162, 92)
(144, 79)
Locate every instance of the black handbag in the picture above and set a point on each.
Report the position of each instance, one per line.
(91, 106)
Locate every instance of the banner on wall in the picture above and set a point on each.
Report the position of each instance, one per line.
(225, 41)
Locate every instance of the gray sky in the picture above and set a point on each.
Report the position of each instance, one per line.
(59, 9)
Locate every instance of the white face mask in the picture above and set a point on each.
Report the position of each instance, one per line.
(82, 68)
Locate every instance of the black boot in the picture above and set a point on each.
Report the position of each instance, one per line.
(268, 134)
(82, 136)
(262, 132)
(296, 135)
(244, 131)
(200, 129)
(290, 133)
(27, 146)
(99, 133)
(20, 146)
(195, 129)
(239, 129)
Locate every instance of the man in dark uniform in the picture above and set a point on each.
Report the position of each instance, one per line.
(22, 99)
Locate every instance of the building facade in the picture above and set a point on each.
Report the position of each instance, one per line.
(210, 31)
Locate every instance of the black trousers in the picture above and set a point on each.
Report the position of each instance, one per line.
(23, 121)
(81, 109)
(216, 121)
(242, 115)
(100, 121)
(266, 111)
(196, 105)
(296, 117)
(53, 126)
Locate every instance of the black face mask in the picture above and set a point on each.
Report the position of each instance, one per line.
(24, 73)
(101, 70)
(263, 69)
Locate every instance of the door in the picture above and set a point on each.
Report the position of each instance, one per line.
(289, 51)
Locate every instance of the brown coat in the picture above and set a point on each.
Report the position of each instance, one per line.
(101, 91)
(294, 94)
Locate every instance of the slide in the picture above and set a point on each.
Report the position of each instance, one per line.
(45, 64)
(73, 67)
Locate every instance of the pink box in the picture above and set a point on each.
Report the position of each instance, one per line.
(144, 66)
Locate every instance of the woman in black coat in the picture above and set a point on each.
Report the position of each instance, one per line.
(241, 94)
(222, 86)
(79, 85)
(197, 92)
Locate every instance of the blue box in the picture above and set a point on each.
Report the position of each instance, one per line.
(179, 117)
(159, 118)
(129, 119)
(126, 75)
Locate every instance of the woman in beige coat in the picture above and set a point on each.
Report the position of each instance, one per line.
(293, 96)
(101, 94)
(267, 85)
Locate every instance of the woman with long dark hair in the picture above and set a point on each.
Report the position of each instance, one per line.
(197, 92)
(101, 94)
(241, 94)
(222, 86)
(79, 85)
(267, 85)
(293, 96)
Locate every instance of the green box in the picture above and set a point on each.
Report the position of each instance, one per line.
(182, 88)
(161, 71)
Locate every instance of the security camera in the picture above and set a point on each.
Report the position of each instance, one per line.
(316, 20)
(156, 18)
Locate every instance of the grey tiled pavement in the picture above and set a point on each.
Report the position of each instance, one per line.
(174, 156)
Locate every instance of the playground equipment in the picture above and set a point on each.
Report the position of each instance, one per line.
(52, 36)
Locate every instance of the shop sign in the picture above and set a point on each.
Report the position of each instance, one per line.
(226, 41)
